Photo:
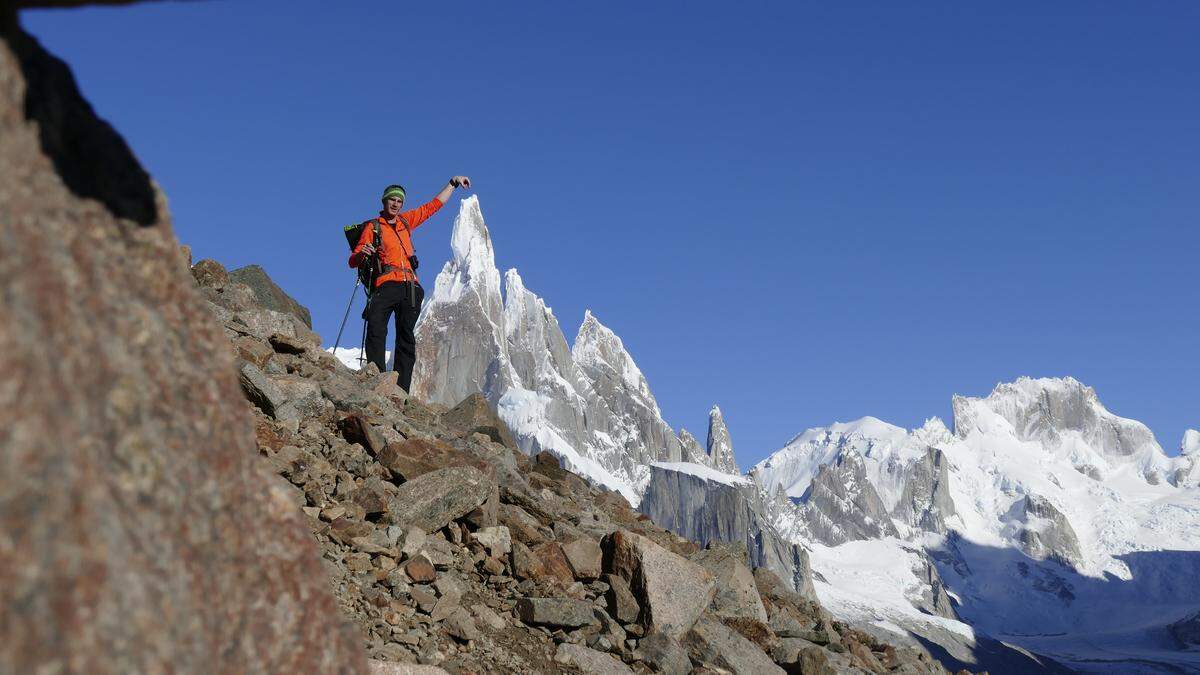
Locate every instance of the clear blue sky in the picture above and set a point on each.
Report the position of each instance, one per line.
(801, 212)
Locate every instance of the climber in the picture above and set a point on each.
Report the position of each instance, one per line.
(396, 289)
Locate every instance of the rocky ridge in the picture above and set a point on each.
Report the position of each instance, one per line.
(450, 547)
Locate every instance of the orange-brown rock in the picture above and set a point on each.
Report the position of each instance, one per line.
(143, 533)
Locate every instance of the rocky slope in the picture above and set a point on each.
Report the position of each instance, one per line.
(448, 546)
(139, 531)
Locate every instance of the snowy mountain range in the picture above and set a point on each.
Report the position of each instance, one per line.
(1052, 523)
(1040, 519)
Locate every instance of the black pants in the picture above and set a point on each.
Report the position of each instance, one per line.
(404, 299)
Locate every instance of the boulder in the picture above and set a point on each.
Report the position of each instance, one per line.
(474, 415)
(356, 429)
(671, 590)
(146, 534)
(553, 564)
(525, 565)
(460, 624)
(375, 496)
(287, 345)
(797, 655)
(663, 654)
(712, 642)
(620, 601)
(269, 294)
(433, 500)
(263, 393)
(416, 456)
(253, 350)
(262, 323)
(736, 594)
(420, 570)
(585, 557)
(210, 274)
(589, 660)
(555, 612)
(524, 527)
(301, 395)
(496, 540)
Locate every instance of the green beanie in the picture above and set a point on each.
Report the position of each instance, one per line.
(393, 191)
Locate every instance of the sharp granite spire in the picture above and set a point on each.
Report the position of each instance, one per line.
(720, 447)
(460, 335)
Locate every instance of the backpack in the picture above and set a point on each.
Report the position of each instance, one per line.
(369, 269)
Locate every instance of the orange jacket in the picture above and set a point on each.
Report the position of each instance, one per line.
(396, 244)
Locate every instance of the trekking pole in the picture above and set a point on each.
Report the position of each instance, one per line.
(345, 316)
(362, 360)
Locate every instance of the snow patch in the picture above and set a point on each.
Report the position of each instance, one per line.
(349, 356)
(704, 473)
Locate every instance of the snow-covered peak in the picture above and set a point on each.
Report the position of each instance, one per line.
(1067, 418)
(1191, 443)
(470, 240)
(1048, 409)
(933, 433)
(513, 283)
(720, 446)
(598, 350)
(868, 427)
(472, 266)
(885, 448)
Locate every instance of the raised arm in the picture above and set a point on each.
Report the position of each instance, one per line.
(420, 214)
(457, 181)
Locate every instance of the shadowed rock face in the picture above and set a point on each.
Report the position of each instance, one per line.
(139, 531)
(1044, 532)
(1187, 630)
(709, 511)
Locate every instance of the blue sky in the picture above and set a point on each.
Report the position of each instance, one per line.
(801, 212)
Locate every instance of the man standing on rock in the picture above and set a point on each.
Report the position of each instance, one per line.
(396, 287)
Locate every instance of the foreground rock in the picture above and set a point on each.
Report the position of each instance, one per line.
(140, 530)
(673, 590)
(712, 642)
(430, 501)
